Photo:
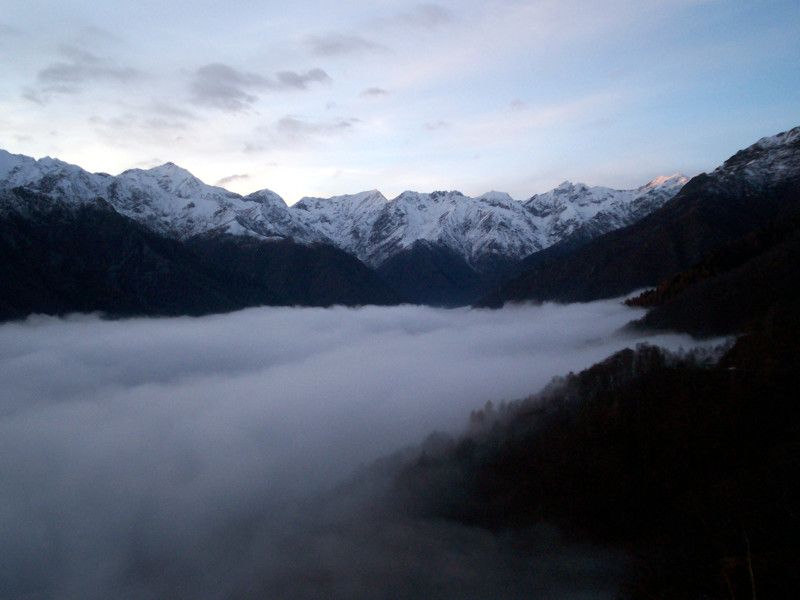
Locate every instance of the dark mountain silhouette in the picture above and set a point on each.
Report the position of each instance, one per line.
(754, 186)
(733, 289)
(303, 275)
(430, 273)
(685, 463)
(57, 258)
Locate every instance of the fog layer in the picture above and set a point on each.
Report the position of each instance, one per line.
(185, 457)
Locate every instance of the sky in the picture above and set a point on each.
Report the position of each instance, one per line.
(316, 98)
(141, 460)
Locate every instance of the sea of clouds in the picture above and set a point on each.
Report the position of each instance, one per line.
(210, 457)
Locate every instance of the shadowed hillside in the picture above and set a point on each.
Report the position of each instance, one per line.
(685, 462)
(753, 187)
(63, 258)
(732, 289)
(686, 467)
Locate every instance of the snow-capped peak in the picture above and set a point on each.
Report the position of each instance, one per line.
(577, 209)
(170, 200)
(265, 197)
(781, 139)
(345, 202)
(498, 197)
(167, 198)
(767, 163)
(667, 180)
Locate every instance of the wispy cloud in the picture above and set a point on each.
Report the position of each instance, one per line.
(421, 17)
(154, 122)
(372, 92)
(9, 31)
(78, 69)
(426, 15)
(293, 129)
(335, 44)
(300, 81)
(221, 86)
(436, 126)
(168, 110)
(231, 179)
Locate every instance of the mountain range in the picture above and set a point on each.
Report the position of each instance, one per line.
(754, 187)
(684, 462)
(171, 201)
(172, 244)
(439, 248)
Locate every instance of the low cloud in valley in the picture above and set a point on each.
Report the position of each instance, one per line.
(205, 457)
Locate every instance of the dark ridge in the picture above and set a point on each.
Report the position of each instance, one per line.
(733, 289)
(429, 273)
(90, 258)
(58, 258)
(315, 275)
(709, 212)
(720, 261)
(684, 466)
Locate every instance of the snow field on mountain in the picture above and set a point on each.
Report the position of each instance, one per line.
(169, 200)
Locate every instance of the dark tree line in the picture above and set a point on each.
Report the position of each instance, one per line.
(688, 465)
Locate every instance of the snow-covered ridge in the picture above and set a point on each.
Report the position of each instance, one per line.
(171, 201)
(167, 198)
(568, 208)
(769, 162)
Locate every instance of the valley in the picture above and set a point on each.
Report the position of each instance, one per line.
(216, 396)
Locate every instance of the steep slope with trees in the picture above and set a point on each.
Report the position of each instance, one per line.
(686, 465)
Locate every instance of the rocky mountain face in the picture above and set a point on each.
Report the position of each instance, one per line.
(755, 186)
(431, 243)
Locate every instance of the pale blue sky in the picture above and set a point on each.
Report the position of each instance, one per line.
(319, 98)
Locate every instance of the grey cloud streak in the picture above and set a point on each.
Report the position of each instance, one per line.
(187, 457)
(420, 16)
(374, 91)
(80, 68)
(221, 86)
(154, 122)
(8, 30)
(231, 178)
(299, 81)
(335, 44)
(426, 15)
(293, 130)
(436, 126)
(294, 126)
